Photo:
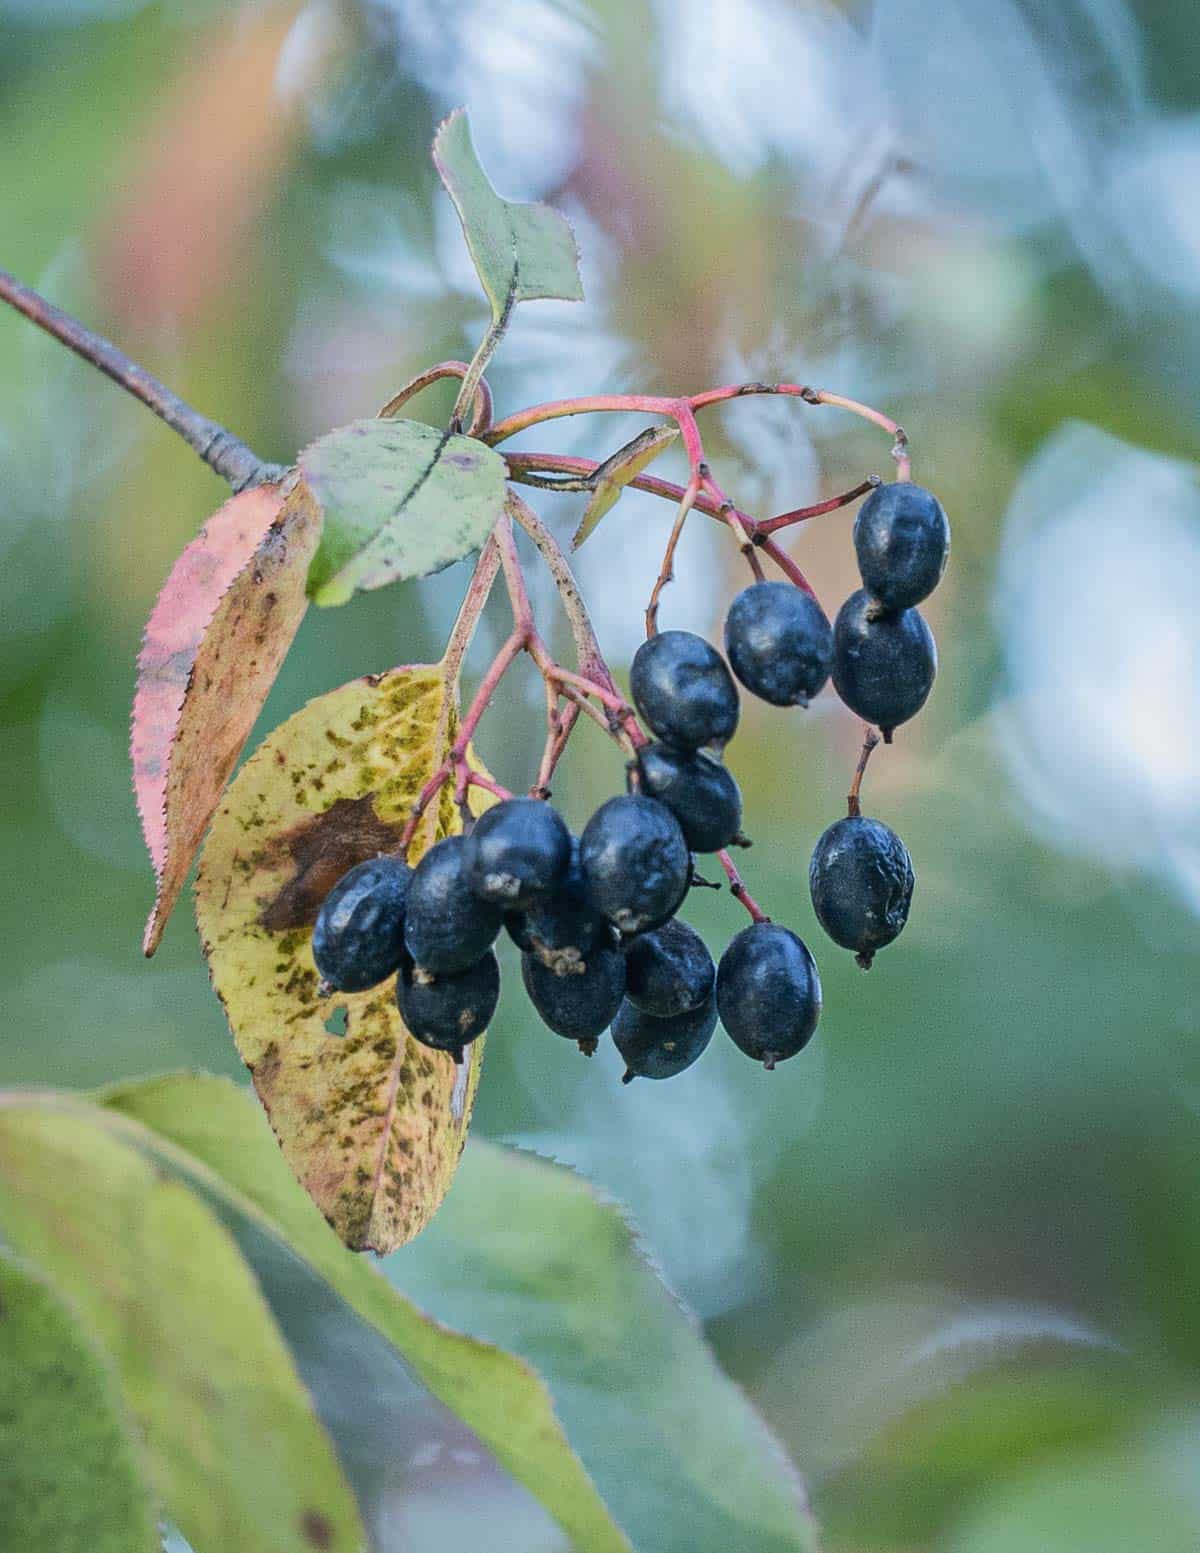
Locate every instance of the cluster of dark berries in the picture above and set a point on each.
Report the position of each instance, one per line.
(594, 916)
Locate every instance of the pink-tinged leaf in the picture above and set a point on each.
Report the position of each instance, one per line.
(213, 646)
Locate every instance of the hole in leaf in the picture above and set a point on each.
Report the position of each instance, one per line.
(338, 1022)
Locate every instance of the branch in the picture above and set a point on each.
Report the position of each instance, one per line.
(224, 454)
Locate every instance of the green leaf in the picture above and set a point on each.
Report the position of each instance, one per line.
(400, 500)
(214, 1134)
(233, 1445)
(371, 1121)
(70, 1477)
(525, 1253)
(616, 472)
(1142, 1496)
(521, 252)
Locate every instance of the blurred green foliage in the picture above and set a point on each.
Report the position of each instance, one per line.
(965, 1289)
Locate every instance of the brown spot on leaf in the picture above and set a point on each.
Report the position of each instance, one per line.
(322, 849)
(316, 1529)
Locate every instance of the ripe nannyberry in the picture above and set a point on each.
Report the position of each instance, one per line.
(519, 851)
(448, 1012)
(661, 1048)
(768, 992)
(581, 1002)
(635, 861)
(699, 791)
(684, 691)
(779, 642)
(883, 664)
(861, 878)
(669, 971)
(446, 926)
(902, 539)
(564, 929)
(358, 939)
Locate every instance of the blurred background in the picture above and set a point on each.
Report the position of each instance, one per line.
(951, 1252)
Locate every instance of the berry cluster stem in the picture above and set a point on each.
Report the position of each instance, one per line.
(738, 889)
(870, 740)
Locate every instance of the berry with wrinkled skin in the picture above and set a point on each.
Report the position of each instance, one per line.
(883, 665)
(358, 940)
(446, 926)
(684, 691)
(448, 1012)
(579, 1003)
(779, 642)
(563, 930)
(519, 852)
(669, 971)
(661, 1048)
(635, 862)
(902, 540)
(861, 879)
(699, 791)
(768, 993)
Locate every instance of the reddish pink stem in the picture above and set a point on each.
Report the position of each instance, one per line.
(738, 888)
(566, 464)
(818, 509)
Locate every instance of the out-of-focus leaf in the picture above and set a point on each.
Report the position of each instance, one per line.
(521, 252)
(401, 500)
(232, 1442)
(218, 633)
(70, 1477)
(913, 1475)
(371, 1121)
(1141, 1497)
(615, 474)
(527, 1255)
(202, 165)
(214, 1134)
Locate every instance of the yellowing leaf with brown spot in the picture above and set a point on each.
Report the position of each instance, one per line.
(371, 1122)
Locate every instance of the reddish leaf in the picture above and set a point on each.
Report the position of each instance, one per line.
(212, 649)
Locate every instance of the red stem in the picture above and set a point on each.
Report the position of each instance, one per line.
(738, 888)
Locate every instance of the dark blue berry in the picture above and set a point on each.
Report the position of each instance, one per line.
(635, 862)
(861, 878)
(447, 927)
(699, 791)
(358, 939)
(448, 1012)
(684, 691)
(516, 925)
(579, 1003)
(902, 540)
(661, 1048)
(883, 664)
(565, 928)
(779, 642)
(669, 971)
(768, 993)
(519, 851)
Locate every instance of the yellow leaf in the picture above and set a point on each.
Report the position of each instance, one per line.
(371, 1122)
(616, 472)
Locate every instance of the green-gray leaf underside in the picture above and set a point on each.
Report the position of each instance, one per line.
(521, 252)
(70, 1477)
(400, 499)
(525, 1254)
